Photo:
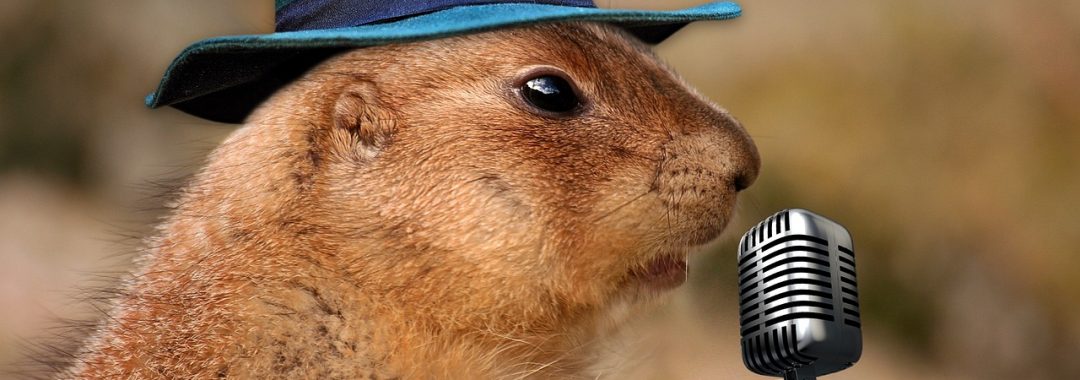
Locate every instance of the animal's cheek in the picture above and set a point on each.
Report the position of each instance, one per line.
(696, 185)
(610, 232)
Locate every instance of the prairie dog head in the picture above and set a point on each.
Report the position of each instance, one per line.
(509, 179)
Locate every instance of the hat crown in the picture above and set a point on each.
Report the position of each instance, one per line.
(295, 15)
(225, 78)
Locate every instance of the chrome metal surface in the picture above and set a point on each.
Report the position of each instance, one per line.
(798, 299)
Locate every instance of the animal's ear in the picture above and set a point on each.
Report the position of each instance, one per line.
(359, 113)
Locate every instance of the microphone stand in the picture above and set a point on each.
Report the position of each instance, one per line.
(800, 373)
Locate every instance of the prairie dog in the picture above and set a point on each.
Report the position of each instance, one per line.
(467, 207)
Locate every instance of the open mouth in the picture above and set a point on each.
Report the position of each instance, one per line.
(663, 273)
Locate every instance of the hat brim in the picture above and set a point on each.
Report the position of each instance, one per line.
(224, 78)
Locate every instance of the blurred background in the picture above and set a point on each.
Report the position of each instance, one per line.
(944, 135)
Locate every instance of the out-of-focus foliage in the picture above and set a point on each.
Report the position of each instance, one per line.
(944, 135)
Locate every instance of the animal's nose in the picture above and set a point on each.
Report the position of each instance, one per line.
(717, 158)
(744, 180)
(724, 142)
(744, 154)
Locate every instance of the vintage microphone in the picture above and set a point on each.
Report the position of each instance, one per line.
(798, 301)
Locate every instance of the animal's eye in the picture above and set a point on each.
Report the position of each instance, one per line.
(550, 93)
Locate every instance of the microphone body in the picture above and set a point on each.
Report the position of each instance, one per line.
(798, 299)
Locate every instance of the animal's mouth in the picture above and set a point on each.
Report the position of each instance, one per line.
(662, 273)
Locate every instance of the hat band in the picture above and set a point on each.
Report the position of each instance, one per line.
(328, 14)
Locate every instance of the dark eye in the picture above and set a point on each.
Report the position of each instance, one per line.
(550, 93)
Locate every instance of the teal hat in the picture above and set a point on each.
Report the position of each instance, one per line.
(224, 78)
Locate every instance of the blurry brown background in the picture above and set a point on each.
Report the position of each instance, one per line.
(944, 135)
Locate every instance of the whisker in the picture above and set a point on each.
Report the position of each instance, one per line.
(616, 209)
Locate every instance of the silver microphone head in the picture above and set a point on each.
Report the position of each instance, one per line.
(798, 300)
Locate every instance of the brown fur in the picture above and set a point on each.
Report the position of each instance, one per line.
(398, 213)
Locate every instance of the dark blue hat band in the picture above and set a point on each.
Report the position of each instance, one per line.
(297, 15)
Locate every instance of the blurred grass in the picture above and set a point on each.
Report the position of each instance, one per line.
(943, 134)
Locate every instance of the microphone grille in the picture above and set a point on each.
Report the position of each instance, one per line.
(798, 299)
